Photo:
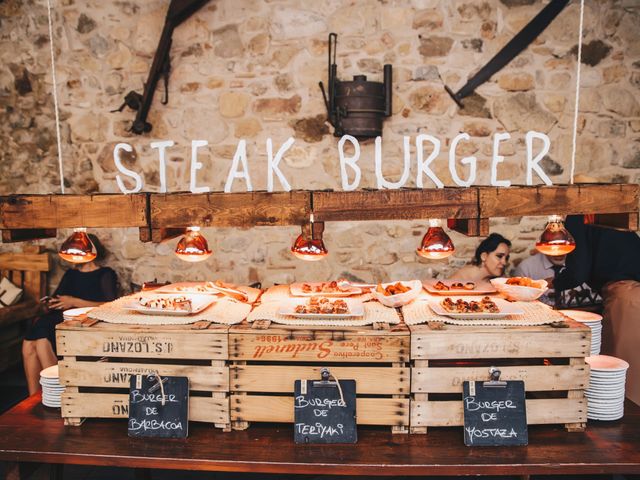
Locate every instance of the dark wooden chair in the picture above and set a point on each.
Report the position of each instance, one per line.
(28, 270)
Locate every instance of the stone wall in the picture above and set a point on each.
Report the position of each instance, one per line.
(249, 70)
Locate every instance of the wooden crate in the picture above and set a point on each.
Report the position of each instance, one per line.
(267, 358)
(549, 359)
(99, 357)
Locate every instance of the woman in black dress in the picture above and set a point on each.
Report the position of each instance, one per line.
(87, 285)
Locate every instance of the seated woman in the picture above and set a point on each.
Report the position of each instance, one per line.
(489, 261)
(87, 285)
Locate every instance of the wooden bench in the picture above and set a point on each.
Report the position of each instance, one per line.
(27, 270)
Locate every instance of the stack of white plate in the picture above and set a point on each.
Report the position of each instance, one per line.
(591, 320)
(51, 388)
(605, 395)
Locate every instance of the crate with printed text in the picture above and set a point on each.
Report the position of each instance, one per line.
(98, 359)
(549, 358)
(267, 358)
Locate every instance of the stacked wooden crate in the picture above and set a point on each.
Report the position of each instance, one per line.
(99, 358)
(549, 358)
(267, 358)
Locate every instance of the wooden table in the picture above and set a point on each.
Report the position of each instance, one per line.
(32, 433)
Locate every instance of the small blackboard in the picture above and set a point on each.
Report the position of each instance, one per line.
(148, 417)
(321, 415)
(494, 415)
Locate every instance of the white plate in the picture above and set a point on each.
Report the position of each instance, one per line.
(50, 372)
(399, 299)
(356, 309)
(583, 317)
(506, 309)
(605, 363)
(481, 288)
(198, 304)
(76, 312)
(297, 291)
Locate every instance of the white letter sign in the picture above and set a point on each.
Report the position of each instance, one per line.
(351, 161)
(122, 169)
(162, 146)
(532, 163)
(195, 166)
(497, 158)
(240, 156)
(471, 161)
(272, 164)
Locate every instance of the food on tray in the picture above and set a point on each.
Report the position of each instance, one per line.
(323, 305)
(440, 286)
(485, 305)
(207, 287)
(392, 289)
(524, 282)
(167, 303)
(325, 287)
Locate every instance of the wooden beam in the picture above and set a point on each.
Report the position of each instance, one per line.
(229, 209)
(157, 235)
(21, 235)
(68, 211)
(472, 227)
(558, 199)
(404, 204)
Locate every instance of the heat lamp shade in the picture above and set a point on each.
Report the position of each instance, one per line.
(78, 248)
(308, 249)
(555, 239)
(193, 247)
(436, 244)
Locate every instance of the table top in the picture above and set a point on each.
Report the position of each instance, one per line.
(31, 432)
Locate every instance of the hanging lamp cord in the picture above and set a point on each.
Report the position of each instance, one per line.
(55, 98)
(577, 101)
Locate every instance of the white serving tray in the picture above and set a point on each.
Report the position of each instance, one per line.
(506, 309)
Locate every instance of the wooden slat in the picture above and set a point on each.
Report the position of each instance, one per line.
(558, 199)
(68, 211)
(116, 375)
(535, 377)
(36, 262)
(500, 344)
(10, 236)
(369, 411)
(539, 411)
(396, 204)
(280, 379)
(116, 405)
(142, 344)
(229, 210)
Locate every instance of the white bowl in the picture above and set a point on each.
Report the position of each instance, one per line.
(518, 293)
(415, 287)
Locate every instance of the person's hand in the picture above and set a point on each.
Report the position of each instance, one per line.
(549, 282)
(62, 302)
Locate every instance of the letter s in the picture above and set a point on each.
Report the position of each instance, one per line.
(122, 169)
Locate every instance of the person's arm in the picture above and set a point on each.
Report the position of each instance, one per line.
(578, 263)
(65, 302)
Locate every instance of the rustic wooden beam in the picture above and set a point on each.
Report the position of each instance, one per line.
(229, 209)
(23, 234)
(405, 204)
(472, 227)
(558, 199)
(68, 211)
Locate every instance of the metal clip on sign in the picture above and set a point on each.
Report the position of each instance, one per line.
(495, 381)
(325, 382)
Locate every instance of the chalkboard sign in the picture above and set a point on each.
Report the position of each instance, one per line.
(322, 415)
(148, 417)
(494, 415)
